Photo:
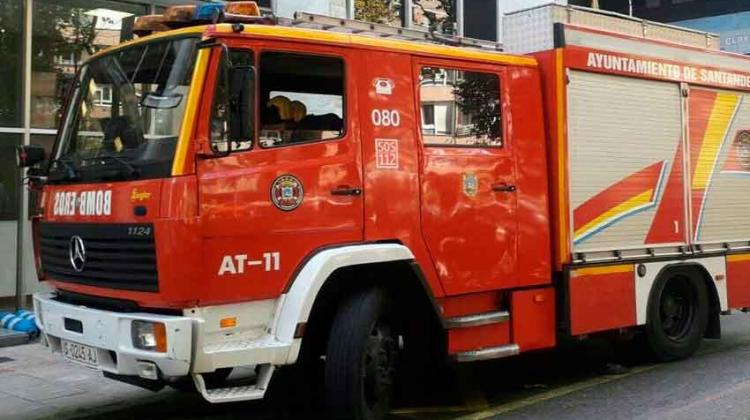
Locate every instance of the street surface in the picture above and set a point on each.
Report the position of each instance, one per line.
(579, 381)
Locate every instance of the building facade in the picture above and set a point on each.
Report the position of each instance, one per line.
(728, 18)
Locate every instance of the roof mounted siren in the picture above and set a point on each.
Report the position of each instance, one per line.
(174, 17)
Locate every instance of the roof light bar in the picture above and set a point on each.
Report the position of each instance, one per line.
(181, 16)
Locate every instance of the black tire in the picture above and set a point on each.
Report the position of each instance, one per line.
(362, 357)
(677, 315)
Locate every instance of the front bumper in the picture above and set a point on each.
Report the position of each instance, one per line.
(196, 342)
(110, 334)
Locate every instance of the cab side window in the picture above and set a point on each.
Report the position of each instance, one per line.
(460, 108)
(219, 121)
(301, 98)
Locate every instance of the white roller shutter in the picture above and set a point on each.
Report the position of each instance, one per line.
(617, 126)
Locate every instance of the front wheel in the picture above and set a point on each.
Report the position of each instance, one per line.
(677, 315)
(362, 357)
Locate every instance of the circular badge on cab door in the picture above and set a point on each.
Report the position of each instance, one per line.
(287, 192)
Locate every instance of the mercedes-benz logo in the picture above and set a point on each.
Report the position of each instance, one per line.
(77, 253)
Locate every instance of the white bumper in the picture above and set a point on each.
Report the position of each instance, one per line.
(196, 343)
(110, 333)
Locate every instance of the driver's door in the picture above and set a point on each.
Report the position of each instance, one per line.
(295, 187)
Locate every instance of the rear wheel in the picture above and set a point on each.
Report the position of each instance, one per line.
(362, 357)
(677, 315)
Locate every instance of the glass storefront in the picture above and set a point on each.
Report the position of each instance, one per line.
(64, 33)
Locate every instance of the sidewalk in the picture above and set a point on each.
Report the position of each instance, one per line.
(35, 384)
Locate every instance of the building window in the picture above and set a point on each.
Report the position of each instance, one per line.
(65, 33)
(460, 108)
(302, 97)
(11, 50)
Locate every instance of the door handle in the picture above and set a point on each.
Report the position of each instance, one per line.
(504, 188)
(346, 190)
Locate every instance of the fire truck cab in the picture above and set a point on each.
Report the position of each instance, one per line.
(356, 205)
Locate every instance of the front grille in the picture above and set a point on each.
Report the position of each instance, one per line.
(118, 256)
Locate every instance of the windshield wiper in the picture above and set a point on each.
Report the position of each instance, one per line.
(70, 170)
(133, 171)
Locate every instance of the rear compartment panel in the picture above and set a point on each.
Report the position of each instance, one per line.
(623, 136)
(719, 165)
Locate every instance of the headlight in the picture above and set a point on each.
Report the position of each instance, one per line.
(151, 336)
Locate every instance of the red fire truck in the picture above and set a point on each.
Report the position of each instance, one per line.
(232, 191)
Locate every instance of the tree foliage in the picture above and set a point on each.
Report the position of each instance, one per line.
(477, 95)
(375, 11)
(389, 12)
(447, 24)
(69, 33)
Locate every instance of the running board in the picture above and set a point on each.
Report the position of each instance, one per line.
(236, 393)
(476, 320)
(488, 353)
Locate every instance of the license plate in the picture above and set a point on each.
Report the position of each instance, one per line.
(79, 353)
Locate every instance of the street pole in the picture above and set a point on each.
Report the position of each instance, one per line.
(21, 190)
(460, 17)
(408, 13)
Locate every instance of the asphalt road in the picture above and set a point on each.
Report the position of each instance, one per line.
(593, 379)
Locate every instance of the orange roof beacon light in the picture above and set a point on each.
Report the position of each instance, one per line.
(245, 8)
(146, 25)
(177, 15)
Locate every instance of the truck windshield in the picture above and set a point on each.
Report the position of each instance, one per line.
(125, 115)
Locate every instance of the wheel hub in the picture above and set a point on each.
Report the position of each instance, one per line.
(677, 308)
(379, 364)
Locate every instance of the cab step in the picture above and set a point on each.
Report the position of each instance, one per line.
(235, 393)
(476, 320)
(487, 353)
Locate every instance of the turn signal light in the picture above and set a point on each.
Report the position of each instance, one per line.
(230, 322)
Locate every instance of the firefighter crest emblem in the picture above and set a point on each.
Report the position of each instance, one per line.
(287, 192)
(471, 184)
(742, 142)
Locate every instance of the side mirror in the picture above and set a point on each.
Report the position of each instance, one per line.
(29, 155)
(241, 89)
(232, 121)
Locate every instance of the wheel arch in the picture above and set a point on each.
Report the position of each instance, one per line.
(332, 274)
